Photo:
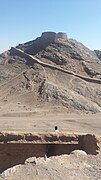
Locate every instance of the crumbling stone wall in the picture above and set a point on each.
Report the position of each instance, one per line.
(90, 144)
(61, 35)
(50, 37)
(16, 148)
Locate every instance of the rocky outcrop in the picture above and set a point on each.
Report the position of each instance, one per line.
(31, 60)
(91, 72)
(33, 47)
(70, 47)
(86, 54)
(68, 98)
(98, 53)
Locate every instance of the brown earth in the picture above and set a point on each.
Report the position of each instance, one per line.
(51, 81)
(23, 125)
(52, 70)
(72, 167)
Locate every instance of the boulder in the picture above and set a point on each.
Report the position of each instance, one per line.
(79, 153)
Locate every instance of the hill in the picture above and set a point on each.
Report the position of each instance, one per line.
(50, 72)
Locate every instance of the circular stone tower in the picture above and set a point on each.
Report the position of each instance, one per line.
(48, 37)
(51, 37)
(61, 35)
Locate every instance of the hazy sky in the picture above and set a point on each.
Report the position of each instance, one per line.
(24, 20)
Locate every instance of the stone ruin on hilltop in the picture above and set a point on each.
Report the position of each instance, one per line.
(51, 37)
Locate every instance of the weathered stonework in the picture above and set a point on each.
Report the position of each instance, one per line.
(15, 148)
(61, 36)
(50, 37)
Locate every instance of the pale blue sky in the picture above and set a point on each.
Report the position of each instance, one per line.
(24, 20)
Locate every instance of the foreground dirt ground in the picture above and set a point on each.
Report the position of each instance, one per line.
(72, 167)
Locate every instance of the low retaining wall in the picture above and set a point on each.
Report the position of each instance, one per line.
(15, 148)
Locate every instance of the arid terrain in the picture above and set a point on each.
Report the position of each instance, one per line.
(64, 166)
(52, 70)
(47, 82)
(46, 121)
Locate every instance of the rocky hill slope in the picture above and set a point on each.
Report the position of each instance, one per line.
(50, 71)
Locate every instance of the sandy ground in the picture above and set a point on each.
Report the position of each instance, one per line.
(64, 167)
(46, 120)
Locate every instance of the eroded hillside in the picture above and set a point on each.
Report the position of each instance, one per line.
(50, 71)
